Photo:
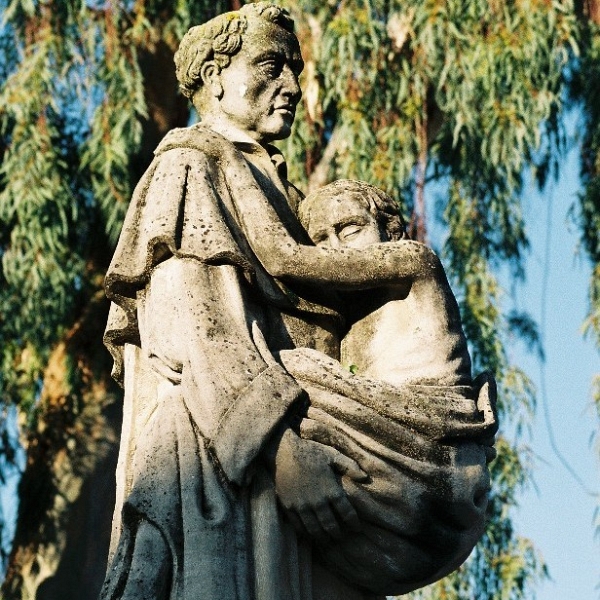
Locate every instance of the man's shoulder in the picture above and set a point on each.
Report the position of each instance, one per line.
(199, 141)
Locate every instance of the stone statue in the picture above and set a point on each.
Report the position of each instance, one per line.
(237, 478)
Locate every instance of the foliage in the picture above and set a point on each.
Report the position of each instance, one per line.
(463, 94)
(72, 111)
(467, 94)
(72, 122)
(587, 88)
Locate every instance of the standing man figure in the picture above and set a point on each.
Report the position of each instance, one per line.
(195, 323)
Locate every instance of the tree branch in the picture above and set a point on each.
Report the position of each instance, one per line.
(321, 173)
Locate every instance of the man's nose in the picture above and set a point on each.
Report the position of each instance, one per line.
(291, 87)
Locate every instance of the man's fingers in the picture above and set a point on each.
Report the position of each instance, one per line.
(311, 523)
(327, 438)
(346, 512)
(328, 521)
(346, 466)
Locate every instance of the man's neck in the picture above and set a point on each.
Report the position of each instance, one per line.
(229, 130)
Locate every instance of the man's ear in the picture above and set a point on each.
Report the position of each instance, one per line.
(211, 80)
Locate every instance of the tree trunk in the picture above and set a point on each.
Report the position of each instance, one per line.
(87, 533)
(592, 10)
(74, 440)
(166, 107)
(67, 492)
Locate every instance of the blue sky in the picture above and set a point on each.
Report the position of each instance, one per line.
(558, 515)
(554, 511)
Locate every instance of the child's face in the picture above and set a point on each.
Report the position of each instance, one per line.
(343, 220)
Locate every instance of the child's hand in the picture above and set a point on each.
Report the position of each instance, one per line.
(410, 260)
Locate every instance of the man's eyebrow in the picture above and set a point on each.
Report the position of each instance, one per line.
(295, 62)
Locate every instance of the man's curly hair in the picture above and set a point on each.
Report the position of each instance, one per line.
(219, 39)
(383, 207)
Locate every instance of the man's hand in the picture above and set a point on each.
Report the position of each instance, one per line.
(308, 486)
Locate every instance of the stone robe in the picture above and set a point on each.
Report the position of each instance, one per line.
(425, 449)
(195, 320)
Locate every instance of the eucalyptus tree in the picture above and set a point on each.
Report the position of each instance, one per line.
(468, 95)
(88, 89)
(446, 99)
(586, 88)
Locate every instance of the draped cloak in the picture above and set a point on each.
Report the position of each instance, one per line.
(193, 322)
(198, 322)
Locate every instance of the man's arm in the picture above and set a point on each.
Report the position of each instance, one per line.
(282, 257)
(307, 483)
(198, 322)
(344, 268)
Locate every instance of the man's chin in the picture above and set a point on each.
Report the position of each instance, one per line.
(279, 130)
(280, 134)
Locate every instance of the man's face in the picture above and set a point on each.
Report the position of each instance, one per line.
(260, 86)
(344, 220)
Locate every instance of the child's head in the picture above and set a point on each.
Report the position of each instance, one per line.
(351, 213)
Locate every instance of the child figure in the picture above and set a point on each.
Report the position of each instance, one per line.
(411, 417)
(412, 332)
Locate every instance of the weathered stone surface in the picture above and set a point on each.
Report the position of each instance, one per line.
(253, 466)
(408, 413)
